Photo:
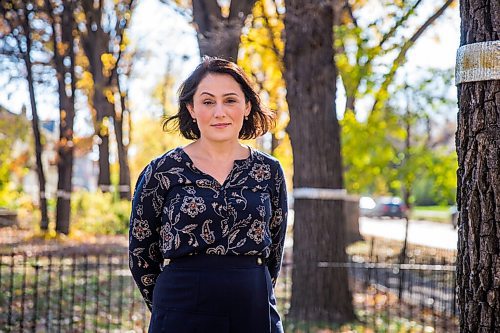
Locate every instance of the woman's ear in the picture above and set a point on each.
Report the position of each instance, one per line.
(248, 108)
(189, 106)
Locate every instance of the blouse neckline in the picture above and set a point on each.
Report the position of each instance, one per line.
(237, 162)
(248, 158)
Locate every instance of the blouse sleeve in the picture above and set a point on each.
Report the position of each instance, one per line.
(278, 224)
(145, 257)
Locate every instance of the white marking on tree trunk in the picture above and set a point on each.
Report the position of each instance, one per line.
(478, 62)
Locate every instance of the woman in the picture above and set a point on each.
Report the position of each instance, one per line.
(208, 220)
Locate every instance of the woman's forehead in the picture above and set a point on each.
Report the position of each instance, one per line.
(218, 85)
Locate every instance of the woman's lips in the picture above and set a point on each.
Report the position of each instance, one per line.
(221, 125)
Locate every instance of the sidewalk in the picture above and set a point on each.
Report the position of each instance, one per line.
(425, 233)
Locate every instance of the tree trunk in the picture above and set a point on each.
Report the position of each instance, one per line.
(122, 115)
(122, 147)
(104, 177)
(350, 104)
(44, 222)
(64, 42)
(104, 111)
(218, 35)
(478, 195)
(318, 294)
(96, 43)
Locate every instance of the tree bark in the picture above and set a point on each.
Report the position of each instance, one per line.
(318, 294)
(104, 176)
(122, 113)
(18, 15)
(478, 195)
(44, 222)
(218, 35)
(95, 44)
(122, 147)
(63, 49)
(350, 104)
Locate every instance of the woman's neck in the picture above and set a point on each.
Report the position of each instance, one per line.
(219, 151)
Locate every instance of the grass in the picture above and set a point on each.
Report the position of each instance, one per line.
(69, 295)
(441, 209)
(377, 322)
(441, 214)
(105, 284)
(389, 250)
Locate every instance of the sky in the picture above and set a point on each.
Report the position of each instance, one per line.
(436, 48)
(169, 45)
(167, 42)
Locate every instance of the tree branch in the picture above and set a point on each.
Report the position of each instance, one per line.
(389, 77)
(350, 12)
(400, 22)
(274, 47)
(240, 9)
(204, 12)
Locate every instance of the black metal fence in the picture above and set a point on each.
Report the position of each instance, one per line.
(391, 297)
(95, 293)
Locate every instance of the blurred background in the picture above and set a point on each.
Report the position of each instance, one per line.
(84, 86)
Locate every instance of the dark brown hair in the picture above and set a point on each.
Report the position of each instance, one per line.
(260, 120)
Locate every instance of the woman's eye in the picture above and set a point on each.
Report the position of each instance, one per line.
(231, 101)
(207, 102)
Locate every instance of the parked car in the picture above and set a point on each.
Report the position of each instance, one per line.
(366, 206)
(393, 207)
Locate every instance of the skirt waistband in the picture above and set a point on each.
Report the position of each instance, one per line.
(215, 261)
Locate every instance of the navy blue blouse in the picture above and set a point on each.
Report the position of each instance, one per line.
(178, 210)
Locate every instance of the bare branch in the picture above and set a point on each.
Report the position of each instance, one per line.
(274, 47)
(400, 22)
(389, 77)
(350, 12)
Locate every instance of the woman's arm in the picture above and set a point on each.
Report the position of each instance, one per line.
(144, 252)
(278, 223)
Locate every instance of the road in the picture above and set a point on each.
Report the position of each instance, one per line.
(426, 233)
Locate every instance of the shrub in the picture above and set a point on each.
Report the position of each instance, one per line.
(99, 213)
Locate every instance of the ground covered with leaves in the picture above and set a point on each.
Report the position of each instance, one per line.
(19, 241)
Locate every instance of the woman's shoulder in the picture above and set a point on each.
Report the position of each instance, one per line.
(167, 160)
(265, 157)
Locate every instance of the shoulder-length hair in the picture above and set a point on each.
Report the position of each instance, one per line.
(260, 120)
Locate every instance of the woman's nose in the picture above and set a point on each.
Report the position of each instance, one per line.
(219, 110)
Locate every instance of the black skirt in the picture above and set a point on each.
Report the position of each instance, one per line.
(215, 294)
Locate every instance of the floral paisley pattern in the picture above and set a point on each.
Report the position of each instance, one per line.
(193, 206)
(207, 234)
(260, 172)
(167, 237)
(140, 230)
(178, 210)
(256, 232)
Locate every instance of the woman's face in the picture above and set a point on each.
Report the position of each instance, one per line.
(219, 108)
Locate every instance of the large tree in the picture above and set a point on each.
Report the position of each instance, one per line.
(218, 28)
(478, 197)
(318, 293)
(63, 33)
(364, 46)
(218, 24)
(18, 16)
(102, 30)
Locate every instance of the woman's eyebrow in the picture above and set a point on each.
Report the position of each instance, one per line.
(212, 95)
